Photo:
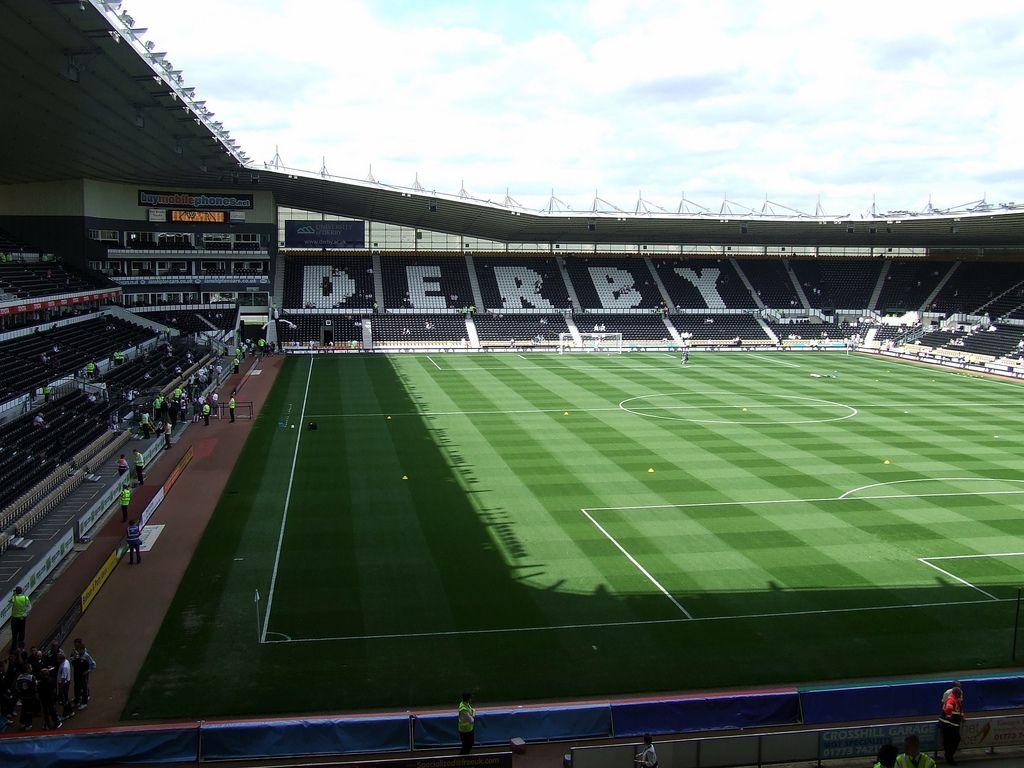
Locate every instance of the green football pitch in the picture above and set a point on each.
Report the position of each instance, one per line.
(547, 527)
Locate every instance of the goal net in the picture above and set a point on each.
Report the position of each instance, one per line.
(590, 342)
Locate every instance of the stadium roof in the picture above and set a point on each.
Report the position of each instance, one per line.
(93, 99)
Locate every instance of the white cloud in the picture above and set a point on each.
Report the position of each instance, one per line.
(788, 99)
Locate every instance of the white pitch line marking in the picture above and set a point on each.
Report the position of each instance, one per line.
(953, 576)
(435, 364)
(520, 354)
(972, 557)
(773, 360)
(287, 500)
(711, 406)
(639, 567)
(690, 618)
(930, 480)
(641, 410)
(807, 501)
(931, 368)
(459, 413)
(648, 622)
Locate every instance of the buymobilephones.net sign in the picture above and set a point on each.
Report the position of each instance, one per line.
(198, 200)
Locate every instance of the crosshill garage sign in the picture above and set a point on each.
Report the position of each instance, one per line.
(323, 234)
(198, 200)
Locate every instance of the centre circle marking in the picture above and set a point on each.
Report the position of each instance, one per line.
(752, 404)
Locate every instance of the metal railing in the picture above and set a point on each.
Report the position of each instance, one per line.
(816, 745)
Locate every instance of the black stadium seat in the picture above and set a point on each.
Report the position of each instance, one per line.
(703, 284)
(42, 356)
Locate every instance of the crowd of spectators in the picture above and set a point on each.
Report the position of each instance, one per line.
(48, 686)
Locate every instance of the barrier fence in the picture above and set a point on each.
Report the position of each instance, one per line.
(407, 732)
(81, 603)
(804, 746)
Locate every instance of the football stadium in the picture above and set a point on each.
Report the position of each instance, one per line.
(308, 468)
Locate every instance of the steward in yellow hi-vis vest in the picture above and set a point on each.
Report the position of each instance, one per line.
(467, 723)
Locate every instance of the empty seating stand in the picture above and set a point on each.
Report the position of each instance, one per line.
(994, 341)
(908, 284)
(703, 284)
(150, 371)
(30, 453)
(521, 283)
(419, 329)
(832, 283)
(641, 328)
(437, 283)
(10, 244)
(25, 280)
(812, 331)
(329, 281)
(190, 321)
(720, 328)
(1005, 303)
(975, 283)
(885, 333)
(43, 356)
(771, 283)
(497, 329)
(613, 283)
(426, 283)
(937, 339)
(307, 329)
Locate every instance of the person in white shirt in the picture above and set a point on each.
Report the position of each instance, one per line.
(213, 404)
(647, 758)
(64, 685)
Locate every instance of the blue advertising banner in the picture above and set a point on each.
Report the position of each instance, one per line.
(323, 234)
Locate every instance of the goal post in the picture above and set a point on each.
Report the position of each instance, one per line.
(610, 343)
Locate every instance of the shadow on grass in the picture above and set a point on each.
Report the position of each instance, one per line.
(366, 553)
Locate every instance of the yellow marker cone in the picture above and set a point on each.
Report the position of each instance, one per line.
(405, 477)
(566, 413)
(744, 410)
(389, 418)
(650, 469)
(887, 462)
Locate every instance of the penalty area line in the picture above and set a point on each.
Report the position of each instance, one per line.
(773, 360)
(639, 623)
(954, 577)
(807, 501)
(639, 567)
(972, 557)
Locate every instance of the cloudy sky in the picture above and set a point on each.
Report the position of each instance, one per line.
(789, 100)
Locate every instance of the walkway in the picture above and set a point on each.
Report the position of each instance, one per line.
(122, 621)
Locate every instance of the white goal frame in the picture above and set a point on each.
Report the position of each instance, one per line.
(610, 343)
